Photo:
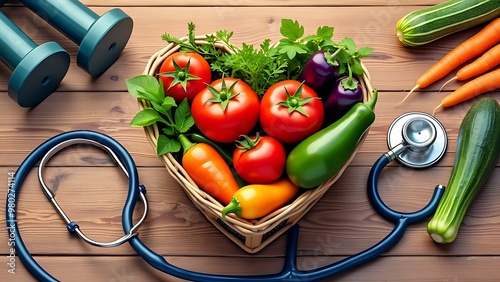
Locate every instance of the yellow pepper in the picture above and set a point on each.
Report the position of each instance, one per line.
(257, 200)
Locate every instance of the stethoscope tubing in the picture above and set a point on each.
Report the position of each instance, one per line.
(290, 272)
(32, 159)
(390, 214)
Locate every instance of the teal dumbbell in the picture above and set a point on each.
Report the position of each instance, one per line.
(101, 39)
(37, 69)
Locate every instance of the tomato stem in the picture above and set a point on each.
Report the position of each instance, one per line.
(294, 102)
(248, 143)
(180, 75)
(223, 95)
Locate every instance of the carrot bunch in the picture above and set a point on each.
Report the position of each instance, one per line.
(480, 43)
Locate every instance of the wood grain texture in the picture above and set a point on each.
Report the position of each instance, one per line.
(394, 269)
(245, 3)
(92, 190)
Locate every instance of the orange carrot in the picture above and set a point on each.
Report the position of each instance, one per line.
(482, 84)
(487, 61)
(470, 48)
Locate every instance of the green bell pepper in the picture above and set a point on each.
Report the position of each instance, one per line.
(322, 155)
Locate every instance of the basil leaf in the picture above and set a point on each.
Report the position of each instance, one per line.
(365, 51)
(147, 117)
(183, 118)
(144, 87)
(166, 145)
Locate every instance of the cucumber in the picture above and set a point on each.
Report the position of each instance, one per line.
(478, 150)
(426, 25)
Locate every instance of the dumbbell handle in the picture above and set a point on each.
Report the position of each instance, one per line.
(71, 18)
(14, 43)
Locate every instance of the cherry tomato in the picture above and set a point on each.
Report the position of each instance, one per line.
(184, 74)
(226, 109)
(259, 159)
(290, 111)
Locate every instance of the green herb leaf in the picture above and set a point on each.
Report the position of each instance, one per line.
(291, 29)
(168, 131)
(166, 145)
(292, 49)
(364, 51)
(183, 118)
(325, 32)
(349, 44)
(157, 107)
(145, 87)
(356, 67)
(147, 117)
(168, 103)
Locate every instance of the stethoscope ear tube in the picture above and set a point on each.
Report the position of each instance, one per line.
(32, 159)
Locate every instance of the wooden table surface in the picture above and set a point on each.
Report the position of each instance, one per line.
(341, 224)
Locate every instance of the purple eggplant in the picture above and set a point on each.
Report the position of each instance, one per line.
(344, 93)
(320, 71)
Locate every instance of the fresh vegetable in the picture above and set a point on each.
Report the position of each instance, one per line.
(184, 74)
(271, 63)
(258, 200)
(208, 170)
(487, 61)
(322, 155)
(200, 138)
(482, 84)
(290, 111)
(226, 109)
(259, 159)
(173, 120)
(467, 50)
(341, 99)
(320, 71)
(426, 25)
(223, 152)
(478, 150)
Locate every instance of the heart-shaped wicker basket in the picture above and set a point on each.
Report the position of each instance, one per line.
(253, 235)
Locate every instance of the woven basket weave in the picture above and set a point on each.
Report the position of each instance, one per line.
(254, 235)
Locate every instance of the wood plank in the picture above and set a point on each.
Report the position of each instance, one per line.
(342, 222)
(240, 3)
(404, 268)
(374, 28)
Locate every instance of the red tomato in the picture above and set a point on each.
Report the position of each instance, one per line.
(259, 160)
(291, 111)
(184, 74)
(226, 109)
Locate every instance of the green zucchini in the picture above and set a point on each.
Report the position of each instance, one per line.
(426, 25)
(478, 151)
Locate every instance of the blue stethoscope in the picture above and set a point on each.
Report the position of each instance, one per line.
(417, 140)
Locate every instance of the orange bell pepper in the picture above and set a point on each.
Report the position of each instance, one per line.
(258, 200)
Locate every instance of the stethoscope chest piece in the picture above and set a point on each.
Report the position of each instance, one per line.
(417, 139)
